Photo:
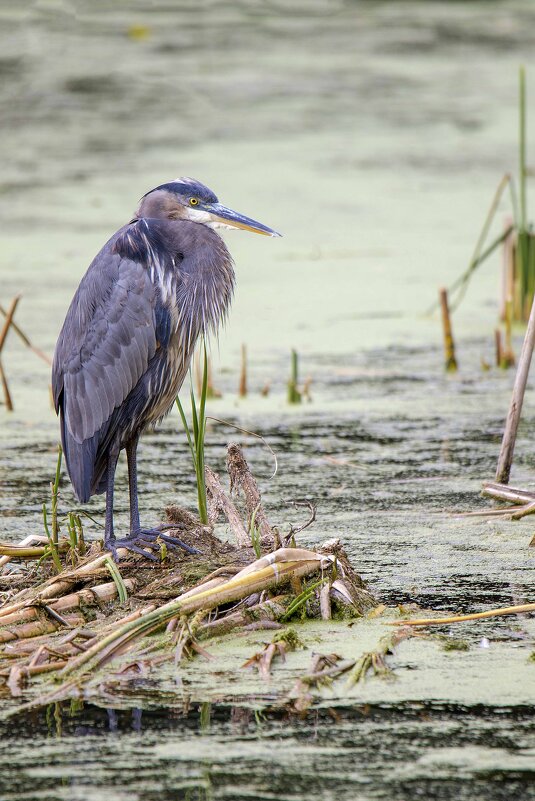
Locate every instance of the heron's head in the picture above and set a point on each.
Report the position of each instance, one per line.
(188, 199)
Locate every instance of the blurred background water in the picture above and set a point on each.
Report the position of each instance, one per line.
(373, 135)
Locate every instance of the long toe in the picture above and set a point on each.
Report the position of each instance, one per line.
(135, 544)
(153, 534)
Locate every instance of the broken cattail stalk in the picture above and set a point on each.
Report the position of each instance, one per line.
(21, 551)
(3, 334)
(20, 333)
(37, 628)
(242, 390)
(57, 586)
(279, 566)
(450, 362)
(508, 354)
(438, 621)
(503, 492)
(498, 347)
(505, 459)
(220, 502)
(101, 593)
(270, 610)
(242, 478)
(376, 659)
(325, 602)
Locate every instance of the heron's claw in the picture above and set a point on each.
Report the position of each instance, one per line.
(145, 538)
(153, 534)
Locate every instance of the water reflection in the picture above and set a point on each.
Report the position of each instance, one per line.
(369, 751)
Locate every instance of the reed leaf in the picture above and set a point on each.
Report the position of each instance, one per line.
(118, 580)
(196, 435)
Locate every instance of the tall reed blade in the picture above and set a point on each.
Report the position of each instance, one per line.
(55, 497)
(195, 436)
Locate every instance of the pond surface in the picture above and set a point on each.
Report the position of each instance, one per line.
(373, 136)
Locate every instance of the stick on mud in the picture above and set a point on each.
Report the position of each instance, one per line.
(3, 334)
(450, 362)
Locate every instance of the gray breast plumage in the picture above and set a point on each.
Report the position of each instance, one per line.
(193, 275)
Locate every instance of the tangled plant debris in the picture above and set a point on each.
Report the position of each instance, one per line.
(75, 623)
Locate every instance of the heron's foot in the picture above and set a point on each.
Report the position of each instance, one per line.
(139, 541)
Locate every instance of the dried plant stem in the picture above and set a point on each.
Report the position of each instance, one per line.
(3, 334)
(450, 362)
(242, 390)
(36, 628)
(242, 478)
(25, 550)
(325, 602)
(271, 610)
(219, 501)
(86, 598)
(60, 585)
(247, 582)
(503, 492)
(20, 333)
(498, 347)
(438, 621)
(505, 459)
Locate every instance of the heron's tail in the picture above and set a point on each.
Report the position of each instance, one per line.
(82, 463)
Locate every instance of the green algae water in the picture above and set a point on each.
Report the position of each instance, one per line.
(372, 135)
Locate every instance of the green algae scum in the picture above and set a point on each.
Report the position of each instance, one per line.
(273, 665)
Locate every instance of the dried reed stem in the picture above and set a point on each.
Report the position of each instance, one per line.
(219, 501)
(438, 621)
(242, 478)
(3, 334)
(450, 361)
(20, 333)
(255, 578)
(242, 390)
(505, 459)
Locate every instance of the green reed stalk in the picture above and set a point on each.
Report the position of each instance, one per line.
(302, 598)
(254, 533)
(522, 150)
(52, 545)
(196, 435)
(118, 580)
(55, 497)
(294, 396)
(523, 237)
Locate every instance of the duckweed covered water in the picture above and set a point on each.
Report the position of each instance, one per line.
(373, 137)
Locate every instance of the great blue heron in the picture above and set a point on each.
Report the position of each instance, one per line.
(127, 341)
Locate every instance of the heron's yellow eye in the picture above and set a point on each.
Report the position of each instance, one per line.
(193, 201)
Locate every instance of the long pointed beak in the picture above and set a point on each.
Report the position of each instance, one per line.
(226, 216)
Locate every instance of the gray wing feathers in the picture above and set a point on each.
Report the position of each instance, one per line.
(105, 345)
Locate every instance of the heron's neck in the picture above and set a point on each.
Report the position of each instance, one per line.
(205, 290)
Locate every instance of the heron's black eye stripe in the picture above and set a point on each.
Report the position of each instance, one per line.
(193, 201)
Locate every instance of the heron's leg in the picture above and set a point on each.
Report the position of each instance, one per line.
(141, 538)
(131, 457)
(109, 536)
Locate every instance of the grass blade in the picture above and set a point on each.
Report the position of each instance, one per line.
(122, 592)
